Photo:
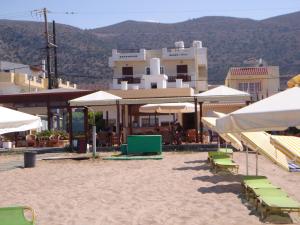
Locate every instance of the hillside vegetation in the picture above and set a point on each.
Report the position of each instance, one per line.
(83, 54)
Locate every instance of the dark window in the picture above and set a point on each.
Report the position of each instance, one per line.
(147, 71)
(182, 69)
(127, 70)
(162, 70)
(153, 85)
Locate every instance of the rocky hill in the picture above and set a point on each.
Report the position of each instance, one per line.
(83, 54)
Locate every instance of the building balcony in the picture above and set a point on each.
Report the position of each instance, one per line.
(127, 55)
(184, 77)
(129, 79)
(178, 53)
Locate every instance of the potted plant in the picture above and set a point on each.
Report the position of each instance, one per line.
(63, 138)
(43, 138)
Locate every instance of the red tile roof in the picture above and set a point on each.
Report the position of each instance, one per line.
(249, 71)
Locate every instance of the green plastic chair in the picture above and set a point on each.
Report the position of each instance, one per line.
(15, 216)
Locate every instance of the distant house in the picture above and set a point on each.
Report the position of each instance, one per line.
(259, 81)
(18, 78)
(160, 68)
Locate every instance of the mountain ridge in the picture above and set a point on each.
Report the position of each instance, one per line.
(83, 53)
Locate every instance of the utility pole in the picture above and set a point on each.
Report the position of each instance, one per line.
(55, 83)
(47, 49)
(52, 81)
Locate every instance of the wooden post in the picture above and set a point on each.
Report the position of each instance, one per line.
(70, 128)
(130, 119)
(106, 120)
(123, 123)
(49, 115)
(118, 122)
(196, 119)
(201, 124)
(86, 125)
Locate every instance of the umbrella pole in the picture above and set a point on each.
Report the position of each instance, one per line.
(256, 155)
(247, 171)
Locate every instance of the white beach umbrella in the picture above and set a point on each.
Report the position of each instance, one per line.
(94, 99)
(183, 107)
(15, 121)
(277, 112)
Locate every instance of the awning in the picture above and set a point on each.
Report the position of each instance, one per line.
(183, 107)
(15, 121)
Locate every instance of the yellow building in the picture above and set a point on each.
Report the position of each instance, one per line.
(19, 82)
(19, 78)
(259, 81)
(160, 68)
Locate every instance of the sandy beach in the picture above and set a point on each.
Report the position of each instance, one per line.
(180, 189)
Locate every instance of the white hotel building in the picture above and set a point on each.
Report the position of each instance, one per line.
(177, 67)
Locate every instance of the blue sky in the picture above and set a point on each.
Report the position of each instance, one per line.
(97, 13)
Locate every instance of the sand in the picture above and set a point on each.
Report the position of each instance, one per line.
(179, 189)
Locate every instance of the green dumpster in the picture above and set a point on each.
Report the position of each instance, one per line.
(144, 144)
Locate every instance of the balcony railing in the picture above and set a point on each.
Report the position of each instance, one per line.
(129, 79)
(184, 77)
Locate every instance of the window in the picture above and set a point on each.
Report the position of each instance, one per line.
(182, 69)
(153, 85)
(148, 71)
(149, 121)
(162, 70)
(128, 71)
(251, 87)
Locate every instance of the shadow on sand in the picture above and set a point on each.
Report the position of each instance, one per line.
(196, 161)
(219, 178)
(224, 188)
(201, 167)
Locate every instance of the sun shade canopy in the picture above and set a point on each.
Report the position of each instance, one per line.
(94, 99)
(277, 112)
(223, 93)
(182, 107)
(15, 121)
(210, 122)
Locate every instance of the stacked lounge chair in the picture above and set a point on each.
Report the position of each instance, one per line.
(267, 198)
(221, 160)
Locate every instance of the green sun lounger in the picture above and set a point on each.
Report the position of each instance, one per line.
(259, 193)
(15, 216)
(221, 164)
(212, 155)
(277, 205)
(249, 183)
(254, 177)
(226, 150)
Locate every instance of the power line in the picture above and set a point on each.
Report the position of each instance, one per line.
(165, 11)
